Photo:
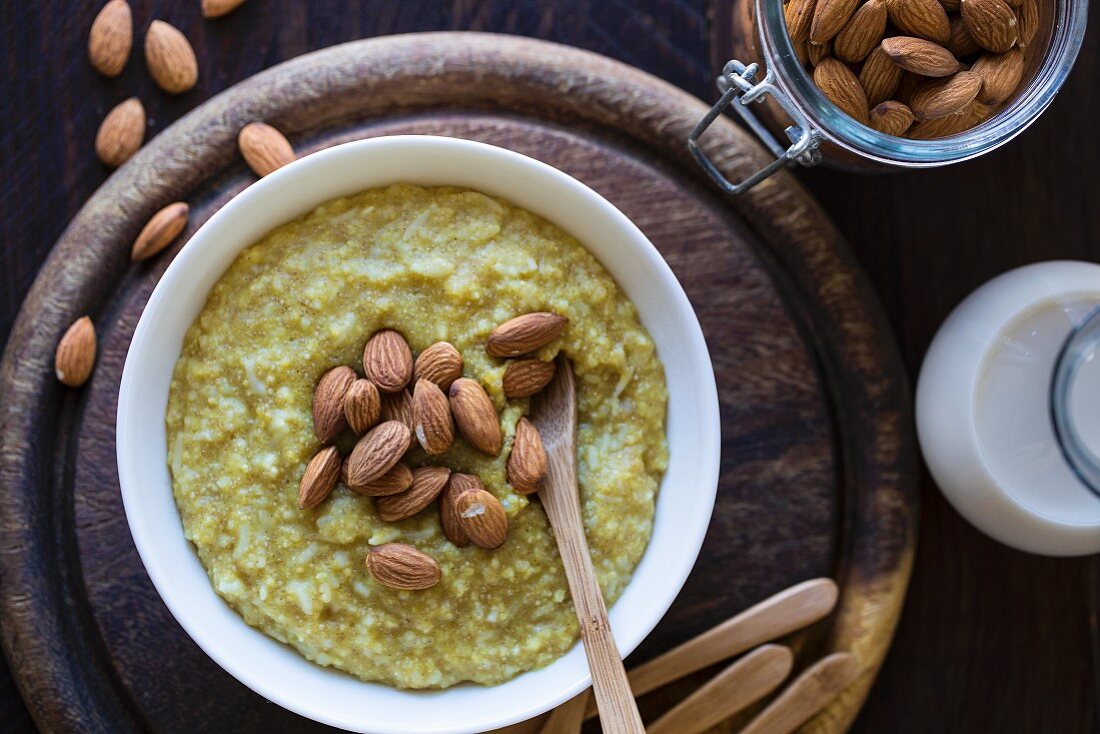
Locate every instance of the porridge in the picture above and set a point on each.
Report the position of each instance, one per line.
(433, 265)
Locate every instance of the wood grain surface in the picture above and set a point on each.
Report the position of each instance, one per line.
(991, 639)
(817, 451)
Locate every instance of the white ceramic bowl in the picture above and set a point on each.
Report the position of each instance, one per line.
(276, 671)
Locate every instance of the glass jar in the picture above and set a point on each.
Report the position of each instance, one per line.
(766, 70)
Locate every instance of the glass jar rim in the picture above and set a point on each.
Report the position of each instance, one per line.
(845, 132)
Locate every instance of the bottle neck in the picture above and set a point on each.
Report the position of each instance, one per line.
(1075, 400)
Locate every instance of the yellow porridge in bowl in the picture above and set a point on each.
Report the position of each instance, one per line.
(432, 265)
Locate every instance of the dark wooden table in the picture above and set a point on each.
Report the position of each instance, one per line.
(991, 639)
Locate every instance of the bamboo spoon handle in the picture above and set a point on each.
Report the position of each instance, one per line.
(614, 699)
(788, 611)
(568, 717)
(809, 693)
(742, 683)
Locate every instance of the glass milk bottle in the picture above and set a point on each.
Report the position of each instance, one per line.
(1008, 408)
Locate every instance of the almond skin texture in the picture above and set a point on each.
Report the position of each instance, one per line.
(525, 334)
(525, 377)
(431, 414)
(1027, 19)
(1000, 75)
(440, 363)
(458, 485)
(939, 127)
(319, 478)
(945, 96)
(395, 481)
(862, 33)
(362, 406)
(891, 117)
(817, 53)
(170, 58)
(920, 56)
(328, 402)
(264, 148)
(387, 361)
(75, 354)
(121, 133)
(111, 38)
(991, 23)
(475, 416)
(482, 518)
(879, 77)
(401, 566)
(921, 18)
(798, 15)
(527, 462)
(377, 452)
(428, 483)
(218, 8)
(829, 17)
(837, 82)
(161, 229)
(398, 407)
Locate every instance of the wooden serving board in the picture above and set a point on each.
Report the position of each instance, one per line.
(818, 462)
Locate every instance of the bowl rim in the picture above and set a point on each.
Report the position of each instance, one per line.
(492, 157)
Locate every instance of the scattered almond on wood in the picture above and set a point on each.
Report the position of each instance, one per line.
(264, 148)
(75, 356)
(218, 8)
(161, 229)
(170, 58)
(111, 38)
(878, 60)
(121, 133)
(401, 566)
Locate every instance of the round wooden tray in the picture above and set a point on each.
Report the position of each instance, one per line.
(818, 460)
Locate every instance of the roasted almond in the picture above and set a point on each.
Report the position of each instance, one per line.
(1027, 20)
(879, 76)
(816, 53)
(362, 406)
(377, 452)
(475, 416)
(170, 58)
(427, 484)
(431, 415)
(921, 18)
(829, 17)
(395, 481)
(960, 42)
(798, 14)
(920, 56)
(111, 38)
(862, 33)
(440, 363)
(75, 354)
(525, 334)
(991, 23)
(319, 478)
(525, 377)
(121, 133)
(939, 127)
(397, 406)
(1000, 75)
(482, 518)
(458, 485)
(218, 8)
(264, 148)
(837, 82)
(387, 361)
(401, 566)
(160, 230)
(328, 402)
(951, 6)
(945, 96)
(527, 461)
(891, 117)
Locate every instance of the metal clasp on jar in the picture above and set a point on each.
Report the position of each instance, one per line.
(738, 84)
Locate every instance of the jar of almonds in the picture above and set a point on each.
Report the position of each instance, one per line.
(887, 84)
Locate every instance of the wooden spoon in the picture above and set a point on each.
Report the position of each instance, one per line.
(741, 684)
(788, 611)
(554, 413)
(809, 693)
